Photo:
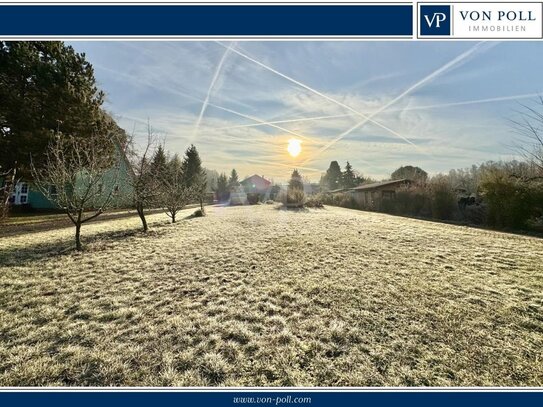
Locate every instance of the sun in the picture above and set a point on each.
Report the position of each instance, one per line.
(294, 147)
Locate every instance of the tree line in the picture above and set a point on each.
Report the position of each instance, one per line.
(336, 178)
(502, 195)
(225, 184)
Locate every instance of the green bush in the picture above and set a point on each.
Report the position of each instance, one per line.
(512, 201)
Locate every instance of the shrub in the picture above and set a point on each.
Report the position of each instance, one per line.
(511, 201)
(389, 206)
(281, 197)
(314, 202)
(326, 199)
(413, 201)
(295, 198)
(198, 213)
(346, 200)
(443, 198)
(253, 198)
(476, 214)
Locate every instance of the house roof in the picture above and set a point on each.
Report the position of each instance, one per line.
(257, 181)
(380, 184)
(335, 191)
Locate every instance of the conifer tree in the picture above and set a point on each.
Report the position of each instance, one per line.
(334, 176)
(159, 163)
(233, 181)
(222, 188)
(349, 177)
(194, 176)
(46, 88)
(295, 190)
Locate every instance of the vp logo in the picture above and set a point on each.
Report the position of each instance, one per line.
(437, 17)
(435, 20)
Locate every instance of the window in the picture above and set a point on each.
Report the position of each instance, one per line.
(53, 190)
(24, 188)
(23, 199)
(388, 194)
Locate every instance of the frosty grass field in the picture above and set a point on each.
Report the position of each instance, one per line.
(257, 296)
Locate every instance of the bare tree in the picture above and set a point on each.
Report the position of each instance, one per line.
(6, 190)
(175, 194)
(145, 183)
(530, 127)
(80, 176)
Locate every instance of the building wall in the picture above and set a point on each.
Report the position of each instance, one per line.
(373, 196)
(122, 198)
(38, 201)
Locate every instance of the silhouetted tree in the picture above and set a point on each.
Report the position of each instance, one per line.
(409, 172)
(6, 190)
(233, 181)
(46, 87)
(222, 188)
(333, 177)
(194, 176)
(349, 177)
(159, 163)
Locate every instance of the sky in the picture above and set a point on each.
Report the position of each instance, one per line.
(376, 104)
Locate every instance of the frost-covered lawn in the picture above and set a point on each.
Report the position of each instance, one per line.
(255, 296)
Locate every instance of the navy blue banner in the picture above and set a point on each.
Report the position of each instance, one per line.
(315, 399)
(206, 21)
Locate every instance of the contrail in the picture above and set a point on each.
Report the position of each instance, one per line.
(407, 109)
(302, 119)
(135, 79)
(406, 92)
(476, 101)
(256, 119)
(337, 102)
(210, 89)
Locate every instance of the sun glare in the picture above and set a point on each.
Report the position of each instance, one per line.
(294, 147)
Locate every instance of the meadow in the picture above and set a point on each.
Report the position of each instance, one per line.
(261, 296)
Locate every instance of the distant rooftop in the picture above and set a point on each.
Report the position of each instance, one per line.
(380, 184)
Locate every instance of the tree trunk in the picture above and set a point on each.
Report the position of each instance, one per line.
(202, 204)
(78, 222)
(173, 217)
(141, 213)
(78, 236)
